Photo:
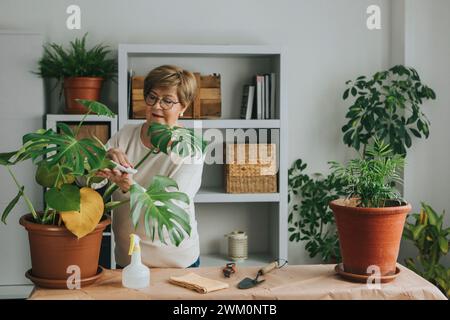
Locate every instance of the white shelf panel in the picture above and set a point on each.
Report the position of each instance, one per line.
(218, 195)
(222, 123)
(78, 117)
(200, 49)
(220, 260)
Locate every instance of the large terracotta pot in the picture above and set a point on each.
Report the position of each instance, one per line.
(369, 236)
(54, 248)
(81, 88)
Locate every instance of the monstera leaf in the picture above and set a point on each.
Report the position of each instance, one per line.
(65, 199)
(97, 107)
(84, 221)
(64, 147)
(11, 158)
(159, 210)
(182, 141)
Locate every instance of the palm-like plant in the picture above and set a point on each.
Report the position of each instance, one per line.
(61, 158)
(372, 179)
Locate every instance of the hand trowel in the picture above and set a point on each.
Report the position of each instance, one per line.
(248, 283)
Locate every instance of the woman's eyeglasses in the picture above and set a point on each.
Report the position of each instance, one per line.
(165, 103)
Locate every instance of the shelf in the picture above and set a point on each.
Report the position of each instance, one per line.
(218, 195)
(216, 260)
(222, 123)
(78, 117)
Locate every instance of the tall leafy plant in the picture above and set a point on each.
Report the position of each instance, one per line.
(311, 220)
(386, 106)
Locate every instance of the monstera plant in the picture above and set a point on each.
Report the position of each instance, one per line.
(75, 213)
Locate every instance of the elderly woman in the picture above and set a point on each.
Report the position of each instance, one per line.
(168, 91)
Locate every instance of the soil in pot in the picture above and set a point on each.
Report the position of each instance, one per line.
(53, 249)
(369, 236)
(81, 88)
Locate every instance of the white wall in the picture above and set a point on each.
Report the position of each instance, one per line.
(327, 40)
(21, 106)
(427, 48)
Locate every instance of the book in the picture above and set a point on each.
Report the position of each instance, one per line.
(247, 102)
(273, 84)
(259, 96)
(266, 96)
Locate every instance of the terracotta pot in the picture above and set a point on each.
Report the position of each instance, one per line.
(369, 236)
(81, 88)
(54, 248)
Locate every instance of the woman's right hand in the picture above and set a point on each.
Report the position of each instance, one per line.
(122, 179)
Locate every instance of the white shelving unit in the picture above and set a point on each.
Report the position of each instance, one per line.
(237, 65)
(52, 120)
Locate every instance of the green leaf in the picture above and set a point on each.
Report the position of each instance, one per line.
(432, 215)
(185, 142)
(345, 95)
(66, 199)
(443, 244)
(415, 132)
(160, 210)
(67, 149)
(5, 158)
(417, 231)
(11, 205)
(97, 107)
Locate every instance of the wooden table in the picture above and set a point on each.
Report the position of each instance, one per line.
(289, 282)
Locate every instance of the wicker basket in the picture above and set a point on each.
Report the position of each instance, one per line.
(250, 168)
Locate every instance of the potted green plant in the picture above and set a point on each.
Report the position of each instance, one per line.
(431, 238)
(69, 229)
(386, 105)
(78, 70)
(370, 219)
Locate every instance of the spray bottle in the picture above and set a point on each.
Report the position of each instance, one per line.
(136, 275)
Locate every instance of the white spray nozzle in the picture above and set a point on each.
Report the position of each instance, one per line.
(134, 244)
(123, 169)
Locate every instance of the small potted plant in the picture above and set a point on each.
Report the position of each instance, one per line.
(68, 231)
(78, 70)
(370, 219)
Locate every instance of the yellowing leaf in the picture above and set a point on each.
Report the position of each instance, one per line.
(91, 210)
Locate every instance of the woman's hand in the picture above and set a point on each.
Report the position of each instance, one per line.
(122, 179)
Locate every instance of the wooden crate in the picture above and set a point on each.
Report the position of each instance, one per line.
(250, 168)
(207, 105)
(89, 130)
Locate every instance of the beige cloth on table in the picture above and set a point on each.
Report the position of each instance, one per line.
(198, 283)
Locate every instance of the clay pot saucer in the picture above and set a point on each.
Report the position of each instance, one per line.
(62, 284)
(339, 268)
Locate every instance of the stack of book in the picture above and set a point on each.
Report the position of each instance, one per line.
(258, 99)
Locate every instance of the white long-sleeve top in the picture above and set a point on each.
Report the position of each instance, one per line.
(187, 174)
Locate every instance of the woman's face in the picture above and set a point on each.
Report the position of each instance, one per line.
(159, 101)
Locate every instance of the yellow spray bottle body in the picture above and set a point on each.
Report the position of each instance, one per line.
(136, 275)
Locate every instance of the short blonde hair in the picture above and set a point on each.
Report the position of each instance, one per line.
(168, 76)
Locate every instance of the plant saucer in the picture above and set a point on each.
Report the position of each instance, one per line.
(62, 283)
(339, 268)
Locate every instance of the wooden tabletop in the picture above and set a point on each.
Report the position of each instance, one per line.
(289, 282)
